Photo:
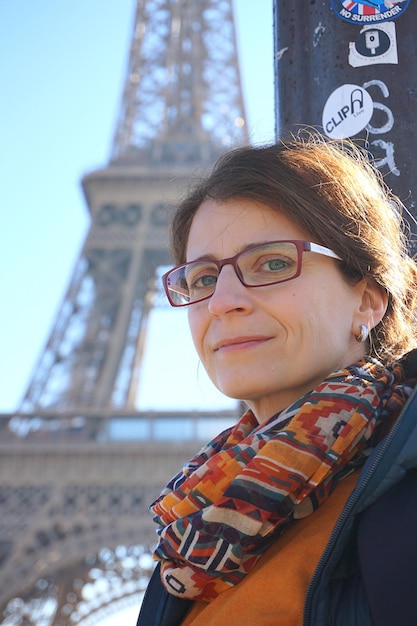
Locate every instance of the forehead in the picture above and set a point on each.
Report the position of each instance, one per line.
(222, 229)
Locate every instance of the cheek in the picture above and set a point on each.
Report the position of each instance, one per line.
(330, 317)
(311, 316)
(198, 327)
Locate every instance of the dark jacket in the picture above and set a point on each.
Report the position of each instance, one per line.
(160, 608)
(367, 575)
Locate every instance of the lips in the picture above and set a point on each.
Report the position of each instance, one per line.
(236, 343)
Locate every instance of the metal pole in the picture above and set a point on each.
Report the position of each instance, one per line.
(349, 69)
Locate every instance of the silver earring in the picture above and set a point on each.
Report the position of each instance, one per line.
(364, 334)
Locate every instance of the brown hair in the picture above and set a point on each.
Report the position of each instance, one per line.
(330, 190)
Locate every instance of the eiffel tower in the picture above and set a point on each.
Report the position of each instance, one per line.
(79, 463)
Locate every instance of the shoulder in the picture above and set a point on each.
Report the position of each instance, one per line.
(387, 549)
(372, 536)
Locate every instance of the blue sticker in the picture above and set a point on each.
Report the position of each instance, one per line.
(368, 11)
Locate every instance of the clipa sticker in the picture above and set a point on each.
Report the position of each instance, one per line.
(375, 44)
(347, 111)
(368, 11)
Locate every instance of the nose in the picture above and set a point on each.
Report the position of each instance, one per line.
(230, 295)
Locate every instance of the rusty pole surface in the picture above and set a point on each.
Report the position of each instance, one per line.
(349, 69)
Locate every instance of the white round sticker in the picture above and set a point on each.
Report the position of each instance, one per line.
(347, 111)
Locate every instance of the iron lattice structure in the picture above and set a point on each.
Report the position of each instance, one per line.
(79, 463)
(182, 107)
(182, 100)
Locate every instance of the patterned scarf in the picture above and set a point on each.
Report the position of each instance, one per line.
(234, 498)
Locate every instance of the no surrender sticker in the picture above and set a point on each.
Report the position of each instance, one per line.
(368, 11)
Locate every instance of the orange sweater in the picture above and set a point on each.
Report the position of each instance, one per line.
(273, 593)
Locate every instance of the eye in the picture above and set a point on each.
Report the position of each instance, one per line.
(201, 277)
(276, 265)
(203, 282)
(269, 263)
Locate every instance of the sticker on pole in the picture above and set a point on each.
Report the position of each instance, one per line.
(375, 44)
(368, 11)
(347, 111)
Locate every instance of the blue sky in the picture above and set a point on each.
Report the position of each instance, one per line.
(62, 69)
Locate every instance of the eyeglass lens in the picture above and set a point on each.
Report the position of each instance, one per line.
(262, 265)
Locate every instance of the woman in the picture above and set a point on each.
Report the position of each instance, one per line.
(301, 301)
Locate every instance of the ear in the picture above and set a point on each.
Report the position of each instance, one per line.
(372, 305)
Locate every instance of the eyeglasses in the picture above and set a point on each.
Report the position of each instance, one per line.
(258, 265)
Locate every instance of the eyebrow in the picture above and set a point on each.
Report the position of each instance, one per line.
(211, 257)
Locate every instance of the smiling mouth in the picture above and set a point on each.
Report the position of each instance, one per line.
(239, 343)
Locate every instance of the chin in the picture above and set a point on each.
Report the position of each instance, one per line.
(235, 394)
(239, 391)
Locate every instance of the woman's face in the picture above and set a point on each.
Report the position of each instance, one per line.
(269, 345)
